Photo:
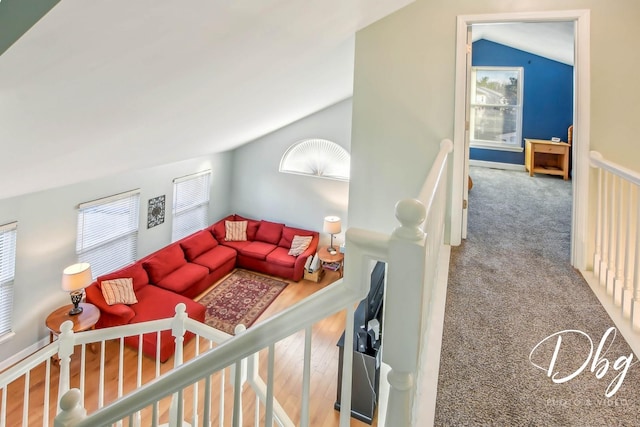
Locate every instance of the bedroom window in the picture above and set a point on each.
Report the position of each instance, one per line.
(317, 157)
(190, 204)
(8, 234)
(496, 108)
(108, 232)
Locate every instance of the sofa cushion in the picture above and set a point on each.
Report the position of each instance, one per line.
(164, 262)
(216, 257)
(288, 234)
(252, 226)
(197, 244)
(269, 232)
(218, 229)
(235, 231)
(299, 244)
(184, 277)
(257, 249)
(118, 291)
(280, 256)
(134, 271)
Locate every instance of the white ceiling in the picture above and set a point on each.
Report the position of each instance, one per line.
(553, 40)
(105, 86)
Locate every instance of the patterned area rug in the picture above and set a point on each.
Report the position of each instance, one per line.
(240, 299)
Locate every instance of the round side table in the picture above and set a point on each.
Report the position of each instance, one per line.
(81, 322)
(327, 258)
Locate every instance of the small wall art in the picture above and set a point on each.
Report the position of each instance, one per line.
(155, 215)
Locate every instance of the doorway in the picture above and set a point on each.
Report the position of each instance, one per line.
(581, 104)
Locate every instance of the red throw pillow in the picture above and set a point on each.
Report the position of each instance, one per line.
(218, 229)
(269, 232)
(197, 244)
(135, 271)
(164, 262)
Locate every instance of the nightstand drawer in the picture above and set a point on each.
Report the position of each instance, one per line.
(553, 149)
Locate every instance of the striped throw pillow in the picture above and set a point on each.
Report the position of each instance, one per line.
(299, 244)
(235, 231)
(118, 291)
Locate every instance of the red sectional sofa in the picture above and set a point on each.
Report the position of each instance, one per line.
(184, 269)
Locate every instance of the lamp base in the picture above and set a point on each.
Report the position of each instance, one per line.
(332, 251)
(76, 297)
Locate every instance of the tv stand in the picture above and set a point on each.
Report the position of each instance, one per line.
(365, 374)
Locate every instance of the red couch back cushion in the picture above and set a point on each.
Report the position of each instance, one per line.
(165, 261)
(269, 232)
(218, 230)
(252, 226)
(134, 271)
(289, 232)
(197, 244)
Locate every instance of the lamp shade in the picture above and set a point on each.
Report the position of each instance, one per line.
(332, 225)
(76, 276)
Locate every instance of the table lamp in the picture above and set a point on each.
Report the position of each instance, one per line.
(332, 226)
(75, 278)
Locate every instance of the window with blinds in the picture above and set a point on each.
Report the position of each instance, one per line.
(8, 234)
(190, 204)
(108, 232)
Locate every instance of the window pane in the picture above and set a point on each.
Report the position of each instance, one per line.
(496, 105)
(497, 124)
(8, 236)
(190, 204)
(108, 233)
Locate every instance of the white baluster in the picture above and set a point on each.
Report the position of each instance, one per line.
(627, 291)
(635, 306)
(621, 226)
(236, 420)
(611, 245)
(597, 257)
(177, 330)
(71, 411)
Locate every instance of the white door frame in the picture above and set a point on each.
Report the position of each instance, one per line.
(581, 122)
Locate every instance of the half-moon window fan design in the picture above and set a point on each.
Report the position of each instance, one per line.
(317, 157)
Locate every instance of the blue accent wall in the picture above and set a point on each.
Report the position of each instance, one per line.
(548, 96)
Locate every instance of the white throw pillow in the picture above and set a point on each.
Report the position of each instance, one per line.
(118, 291)
(235, 231)
(299, 244)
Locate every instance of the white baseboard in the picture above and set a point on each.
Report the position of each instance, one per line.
(23, 354)
(497, 165)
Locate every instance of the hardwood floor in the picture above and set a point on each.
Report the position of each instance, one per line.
(288, 369)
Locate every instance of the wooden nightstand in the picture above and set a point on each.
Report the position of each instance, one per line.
(547, 157)
(81, 322)
(329, 261)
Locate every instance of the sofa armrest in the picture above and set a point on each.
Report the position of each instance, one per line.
(110, 315)
(298, 267)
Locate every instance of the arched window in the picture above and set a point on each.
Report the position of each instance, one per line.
(317, 157)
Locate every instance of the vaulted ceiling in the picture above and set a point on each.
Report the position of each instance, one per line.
(99, 87)
(104, 86)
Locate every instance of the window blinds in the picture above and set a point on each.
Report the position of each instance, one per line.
(190, 204)
(108, 232)
(8, 233)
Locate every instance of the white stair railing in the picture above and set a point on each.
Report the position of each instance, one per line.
(616, 245)
(414, 253)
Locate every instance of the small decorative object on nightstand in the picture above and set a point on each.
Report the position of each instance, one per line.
(332, 226)
(75, 278)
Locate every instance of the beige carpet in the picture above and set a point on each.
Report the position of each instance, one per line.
(511, 286)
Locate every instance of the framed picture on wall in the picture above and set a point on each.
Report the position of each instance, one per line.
(155, 213)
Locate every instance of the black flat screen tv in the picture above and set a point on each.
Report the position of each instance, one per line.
(374, 300)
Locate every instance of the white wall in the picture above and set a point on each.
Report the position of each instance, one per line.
(47, 236)
(260, 191)
(404, 94)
